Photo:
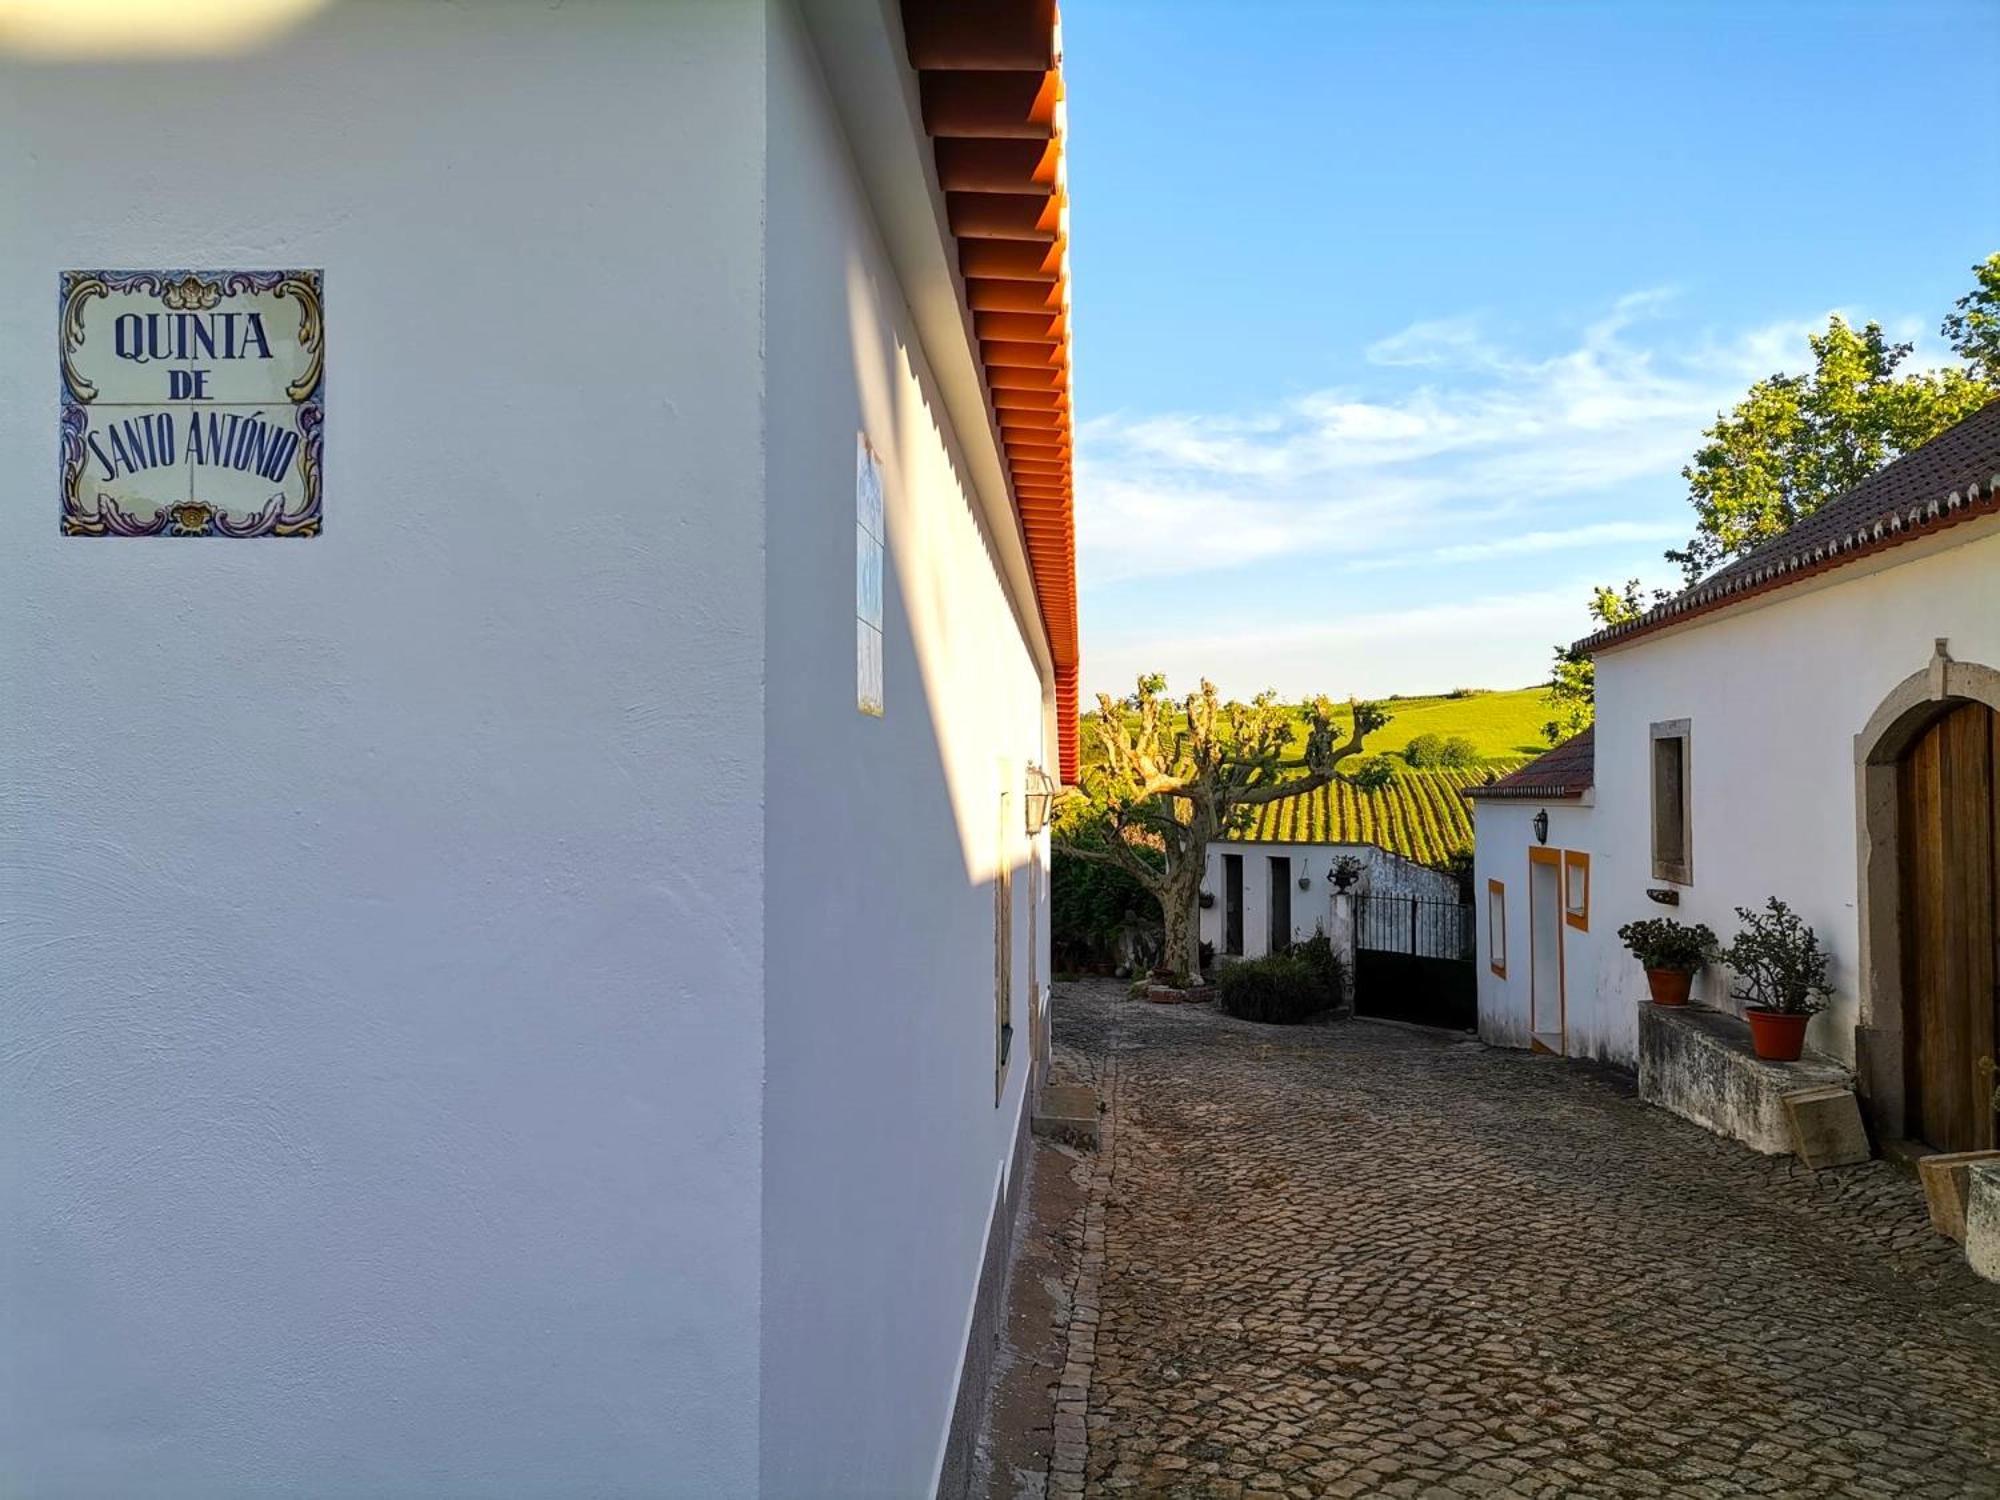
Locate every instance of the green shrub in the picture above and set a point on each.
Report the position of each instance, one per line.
(1374, 773)
(1663, 943)
(1459, 752)
(1433, 752)
(1279, 989)
(1779, 962)
(1284, 988)
(1317, 954)
(1089, 905)
(1425, 752)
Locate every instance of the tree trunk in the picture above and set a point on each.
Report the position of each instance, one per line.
(1182, 949)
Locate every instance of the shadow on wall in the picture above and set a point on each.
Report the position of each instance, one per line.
(898, 399)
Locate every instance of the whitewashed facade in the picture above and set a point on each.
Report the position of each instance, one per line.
(486, 1013)
(1275, 906)
(1536, 962)
(1793, 683)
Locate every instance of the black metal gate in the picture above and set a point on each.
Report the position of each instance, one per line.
(1413, 960)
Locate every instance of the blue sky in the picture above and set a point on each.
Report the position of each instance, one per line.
(1396, 321)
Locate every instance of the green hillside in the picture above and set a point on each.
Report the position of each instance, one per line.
(1505, 725)
(1421, 814)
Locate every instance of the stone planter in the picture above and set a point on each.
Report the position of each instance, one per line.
(1982, 1219)
(1169, 995)
(1946, 1176)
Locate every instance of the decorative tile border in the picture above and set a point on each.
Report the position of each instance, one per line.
(274, 433)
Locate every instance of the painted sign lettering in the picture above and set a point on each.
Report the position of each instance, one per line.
(192, 403)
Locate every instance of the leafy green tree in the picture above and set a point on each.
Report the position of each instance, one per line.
(1167, 780)
(1973, 326)
(1796, 441)
(1572, 694)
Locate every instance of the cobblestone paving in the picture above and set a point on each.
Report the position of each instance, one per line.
(1361, 1259)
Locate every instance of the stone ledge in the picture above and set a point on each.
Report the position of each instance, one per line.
(1697, 1063)
(1982, 1219)
(1167, 994)
(1068, 1112)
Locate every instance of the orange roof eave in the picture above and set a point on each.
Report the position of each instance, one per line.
(990, 81)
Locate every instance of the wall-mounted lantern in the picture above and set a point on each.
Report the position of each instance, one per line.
(1542, 826)
(1039, 797)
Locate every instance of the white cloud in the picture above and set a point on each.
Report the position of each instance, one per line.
(1478, 642)
(1434, 342)
(1488, 443)
(1531, 543)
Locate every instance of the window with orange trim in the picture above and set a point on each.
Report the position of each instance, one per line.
(1576, 889)
(1496, 927)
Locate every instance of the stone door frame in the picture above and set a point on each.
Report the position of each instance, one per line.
(1909, 709)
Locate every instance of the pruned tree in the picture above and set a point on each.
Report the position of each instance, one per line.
(1168, 779)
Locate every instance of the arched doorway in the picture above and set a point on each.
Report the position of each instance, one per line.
(1928, 820)
(1948, 829)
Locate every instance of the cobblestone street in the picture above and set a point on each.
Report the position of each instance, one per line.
(1362, 1259)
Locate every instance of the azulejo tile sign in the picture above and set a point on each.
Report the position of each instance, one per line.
(192, 403)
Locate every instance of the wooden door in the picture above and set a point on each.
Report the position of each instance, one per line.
(1232, 904)
(1279, 938)
(1548, 1005)
(1949, 833)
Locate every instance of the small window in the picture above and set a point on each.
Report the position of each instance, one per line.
(1496, 927)
(1576, 889)
(869, 529)
(1673, 834)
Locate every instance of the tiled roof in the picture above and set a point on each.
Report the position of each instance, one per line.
(1420, 815)
(1955, 477)
(990, 76)
(1569, 770)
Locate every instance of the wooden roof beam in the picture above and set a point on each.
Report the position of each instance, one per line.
(983, 34)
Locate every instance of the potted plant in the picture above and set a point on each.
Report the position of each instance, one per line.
(1344, 872)
(1207, 899)
(1780, 969)
(1670, 952)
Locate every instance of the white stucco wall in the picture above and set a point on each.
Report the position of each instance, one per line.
(1383, 874)
(884, 1146)
(1776, 694)
(1504, 833)
(381, 915)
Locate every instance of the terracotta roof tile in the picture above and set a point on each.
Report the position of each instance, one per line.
(1569, 770)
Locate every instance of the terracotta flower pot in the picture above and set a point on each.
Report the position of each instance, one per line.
(1669, 986)
(1776, 1036)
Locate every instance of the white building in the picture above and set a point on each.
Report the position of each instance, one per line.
(528, 983)
(1815, 722)
(1531, 872)
(1261, 894)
